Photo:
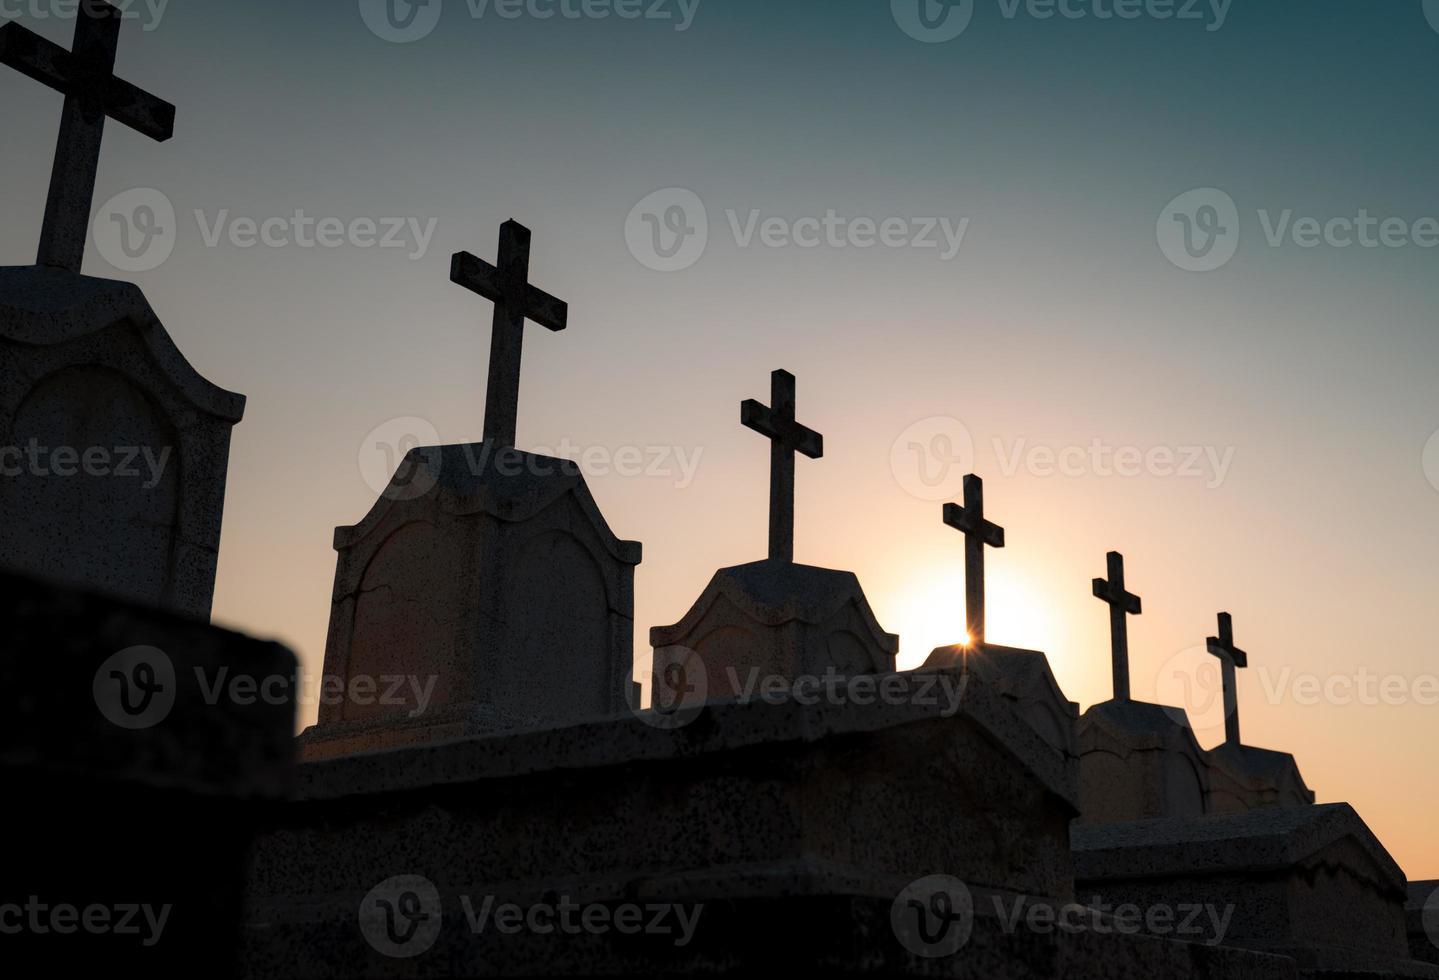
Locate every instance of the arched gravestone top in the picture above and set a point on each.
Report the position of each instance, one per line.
(483, 478)
(1264, 772)
(1025, 678)
(44, 307)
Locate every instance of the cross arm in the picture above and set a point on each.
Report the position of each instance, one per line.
(48, 63)
(1220, 649)
(1130, 603)
(961, 519)
(476, 275)
(760, 418)
(544, 309)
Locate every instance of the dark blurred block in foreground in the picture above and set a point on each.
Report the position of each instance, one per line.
(139, 751)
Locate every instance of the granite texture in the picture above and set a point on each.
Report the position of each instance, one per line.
(87, 368)
(1139, 761)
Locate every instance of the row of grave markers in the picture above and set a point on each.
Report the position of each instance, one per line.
(85, 75)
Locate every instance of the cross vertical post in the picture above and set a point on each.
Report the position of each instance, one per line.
(507, 285)
(85, 75)
(978, 535)
(1122, 605)
(1231, 658)
(787, 437)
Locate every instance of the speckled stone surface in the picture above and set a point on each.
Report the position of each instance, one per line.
(750, 802)
(1421, 913)
(86, 367)
(491, 574)
(1139, 761)
(1243, 777)
(1308, 882)
(156, 807)
(777, 619)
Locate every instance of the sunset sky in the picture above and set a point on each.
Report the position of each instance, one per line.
(1252, 438)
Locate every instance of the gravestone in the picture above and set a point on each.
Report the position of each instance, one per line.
(1243, 777)
(1022, 677)
(113, 450)
(1312, 883)
(1137, 760)
(773, 618)
(484, 590)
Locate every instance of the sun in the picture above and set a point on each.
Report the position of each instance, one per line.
(929, 613)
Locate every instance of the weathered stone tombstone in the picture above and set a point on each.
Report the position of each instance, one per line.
(1022, 677)
(1243, 777)
(1137, 760)
(775, 618)
(113, 450)
(485, 581)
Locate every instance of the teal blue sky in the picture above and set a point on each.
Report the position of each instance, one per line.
(1059, 142)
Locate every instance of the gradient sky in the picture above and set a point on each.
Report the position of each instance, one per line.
(1060, 321)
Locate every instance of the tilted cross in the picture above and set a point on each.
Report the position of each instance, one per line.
(978, 534)
(1122, 605)
(507, 285)
(787, 437)
(1231, 657)
(85, 75)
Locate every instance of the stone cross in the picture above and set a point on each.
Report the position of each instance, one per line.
(1122, 605)
(507, 285)
(85, 75)
(1222, 646)
(787, 437)
(978, 534)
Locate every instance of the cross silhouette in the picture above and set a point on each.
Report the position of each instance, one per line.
(1122, 605)
(85, 74)
(787, 437)
(1231, 657)
(978, 534)
(507, 285)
